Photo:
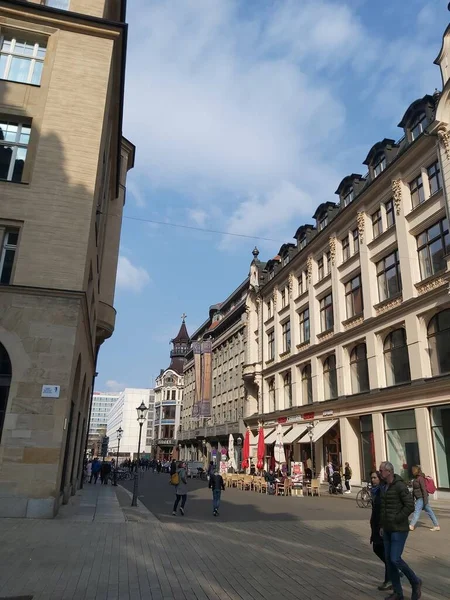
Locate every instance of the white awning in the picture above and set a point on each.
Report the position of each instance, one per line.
(293, 435)
(272, 438)
(268, 434)
(321, 428)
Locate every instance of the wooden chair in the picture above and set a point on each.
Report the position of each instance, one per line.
(315, 487)
(247, 482)
(256, 484)
(234, 480)
(288, 487)
(263, 487)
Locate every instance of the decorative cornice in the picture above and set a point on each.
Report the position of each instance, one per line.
(444, 138)
(333, 249)
(388, 305)
(291, 283)
(353, 322)
(326, 335)
(430, 285)
(309, 265)
(285, 353)
(360, 221)
(302, 346)
(397, 195)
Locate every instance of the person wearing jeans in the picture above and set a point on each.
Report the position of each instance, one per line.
(180, 489)
(217, 485)
(396, 506)
(422, 500)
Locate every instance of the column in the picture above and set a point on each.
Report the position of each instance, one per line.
(424, 437)
(350, 440)
(375, 361)
(407, 247)
(378, 438)
(419, 360)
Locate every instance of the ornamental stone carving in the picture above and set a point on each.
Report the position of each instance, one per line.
(258, 304)
(353, 323)
(430, 285)
(274, 295)
(444, 138)
(291, 283)
(360, 222)
(309, 266)
(333, 249)
(397, 195)
(389, 306)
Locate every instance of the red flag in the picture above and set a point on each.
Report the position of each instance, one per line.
(261, 449)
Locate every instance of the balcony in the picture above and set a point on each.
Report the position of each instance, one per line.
(250, 371)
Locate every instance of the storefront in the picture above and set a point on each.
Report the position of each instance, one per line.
(368, 458)
(440, 427)
(402, 445)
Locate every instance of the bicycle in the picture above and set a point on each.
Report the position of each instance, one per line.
(364, 497)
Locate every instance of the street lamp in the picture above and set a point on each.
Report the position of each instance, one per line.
(239, 446)
(310, 427)
(141, 411)
(119, 434)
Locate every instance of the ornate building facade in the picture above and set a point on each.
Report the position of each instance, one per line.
(350, 325)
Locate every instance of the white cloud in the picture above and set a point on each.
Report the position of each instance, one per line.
(134, 189)
(115, 386)
(198, 216)
(130, 277)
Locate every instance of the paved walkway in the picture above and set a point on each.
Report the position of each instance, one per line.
(260, 548)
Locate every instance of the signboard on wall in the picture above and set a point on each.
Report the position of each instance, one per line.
(50, 391)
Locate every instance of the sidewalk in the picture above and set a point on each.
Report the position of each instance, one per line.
(439, 506)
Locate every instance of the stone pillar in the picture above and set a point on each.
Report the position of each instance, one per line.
(350, 440)
(378, 438)
(424, 437)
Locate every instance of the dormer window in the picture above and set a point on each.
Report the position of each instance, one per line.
(323, 222)
(379, 165)
(348, 197)
(418, 125)
(302, 242)
(286, 259)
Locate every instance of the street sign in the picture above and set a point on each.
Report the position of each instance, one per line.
(105, 442)
(50, 391)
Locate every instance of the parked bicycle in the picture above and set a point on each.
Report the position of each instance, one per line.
(364, 496)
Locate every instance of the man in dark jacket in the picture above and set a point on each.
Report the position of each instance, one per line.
(173, 467)
(217, 485)
(396, 506)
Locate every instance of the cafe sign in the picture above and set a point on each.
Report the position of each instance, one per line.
(308, 416)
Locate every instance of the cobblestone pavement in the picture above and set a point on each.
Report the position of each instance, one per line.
(261, 547)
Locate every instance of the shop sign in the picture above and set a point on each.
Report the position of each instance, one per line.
(295, 419)
(308, 416)
(50, 391)
(327, 413)
(282, 419)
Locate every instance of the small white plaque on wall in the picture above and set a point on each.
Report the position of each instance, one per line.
(50, 391)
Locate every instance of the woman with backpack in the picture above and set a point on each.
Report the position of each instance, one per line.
(420, 492)
(179, 479)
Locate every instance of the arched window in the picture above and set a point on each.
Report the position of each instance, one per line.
(272, 397)
(5, 382)
(396, 359)
(330, 377)
(418, 124)
(439, 342)
(287, 380)
(359, 369)
(307, 393)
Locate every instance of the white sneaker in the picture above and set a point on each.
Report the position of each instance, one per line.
(435, 528)
(347, 492)
(174, 513)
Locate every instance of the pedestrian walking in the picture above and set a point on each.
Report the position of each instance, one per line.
(89, 471)
(376, 539)
(158, 467)
(210, 470)
(95, 470)
(329, 471)
(347, 477)
(105, 470)
(217, 485)
(396, 505)
(173, 467)
(181, 489)
(421, 497)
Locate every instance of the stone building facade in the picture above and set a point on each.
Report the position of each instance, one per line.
(63, 167)
(350, 330)
(203, 438)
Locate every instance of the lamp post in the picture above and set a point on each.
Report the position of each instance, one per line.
(239, 445)
(310, 427)
(141, 411)
(119, 434)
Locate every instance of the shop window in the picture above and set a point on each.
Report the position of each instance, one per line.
(307, 392)
(439, 343)
(359, 369)
(367, 447)
(330, 377)
(396, 359)
(287, 381)
(440, 426)
(401, 442)
(5, 381)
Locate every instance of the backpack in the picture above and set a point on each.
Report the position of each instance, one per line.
(430, 485)
(174, 479)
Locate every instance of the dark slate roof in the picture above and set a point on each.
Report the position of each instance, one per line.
(182, 336)
(379, 147)
(348, 181)
(427, 100)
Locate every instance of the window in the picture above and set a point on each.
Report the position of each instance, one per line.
(401, 442)
(286, 260)
(271, 344)
(418, 125)
(379, 165)
(286, 333)
(8, 251)
(345, 248)
(440, 425)
(328, 255)
(307, 393)
(21, 60)
(434, 177)
(355, 234)
(320, 269)
(304, 326)
(359, 369)
(330, 377)
(432, 246)
(301, 284)
(174, 394)
(396, 358)
(353, 297)
(287, 382)
(272, 398)
(269, 309)
(417, 192)
(5, 381)
(323, 222)
(326, 313)
(14, 139)
(302, 242)
(377, 225)
(439, 342)
(283, 298)
(390, 214)
(349, 196)
(389, 277)
(63, 4)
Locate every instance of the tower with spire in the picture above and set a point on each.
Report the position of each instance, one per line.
(181, 347)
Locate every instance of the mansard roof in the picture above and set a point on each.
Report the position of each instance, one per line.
(303, 229)
(349, 181)
(385, 145)
(323, 208)
(421, 104)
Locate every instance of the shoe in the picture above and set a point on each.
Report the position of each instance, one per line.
(385, 586)
(174, 512)
(411, 527)
(435, 528)
(182, 511)
(215, 513)
(417, 591)
(347, 492)
(394, 596)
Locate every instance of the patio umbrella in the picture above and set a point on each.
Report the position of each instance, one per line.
(261, 449)
(280, 457)
(231, 456)
(246, 450)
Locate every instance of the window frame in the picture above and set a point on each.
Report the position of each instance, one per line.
(377, 223)
(306, 376)
(443, 234)
(6, 247)
(320, 268)
(417, 122)
(380, 165)
(382, 273)
(326, 309)
(271, 344)
(287, 387)
(435, 176)
(350, 293)
(355, 236)
(323, 222)
(272, 394)
(304, 326)
(390, 352)
(15, 146)
(286, 335)
(417, 191)
(330, 378)
(436, 341)
(359, 366)
(345, 248)
(389, 209)
(13, 38)
(349, 196)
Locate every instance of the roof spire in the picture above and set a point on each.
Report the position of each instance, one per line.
(183, 317)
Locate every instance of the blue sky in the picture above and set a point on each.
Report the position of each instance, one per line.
(246, 116)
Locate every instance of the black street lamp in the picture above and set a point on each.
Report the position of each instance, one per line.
(119, 434)
(141, 411)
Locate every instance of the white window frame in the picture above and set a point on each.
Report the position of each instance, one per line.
(54, 4)
(4, 233)
(15, 146)
(32, 58)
